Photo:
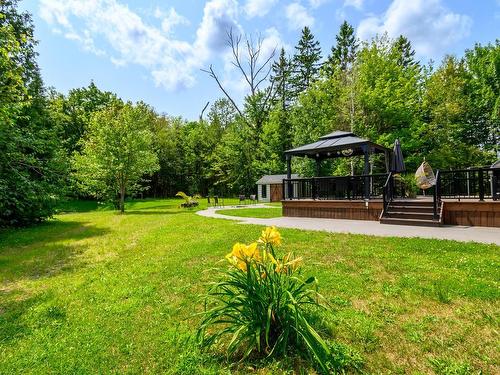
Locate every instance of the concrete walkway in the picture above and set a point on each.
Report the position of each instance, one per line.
(457, 233)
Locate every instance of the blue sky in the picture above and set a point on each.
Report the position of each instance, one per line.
(154, 50)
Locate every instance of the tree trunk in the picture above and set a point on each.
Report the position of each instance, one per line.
(122, 199)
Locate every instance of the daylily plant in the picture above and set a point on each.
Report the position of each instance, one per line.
(261, 303)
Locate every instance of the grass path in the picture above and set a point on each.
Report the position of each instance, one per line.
(98, 292)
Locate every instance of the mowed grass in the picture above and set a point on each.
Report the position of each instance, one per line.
(264, 213)
(94, 291)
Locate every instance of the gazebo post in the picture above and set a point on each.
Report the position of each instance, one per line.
(366, 171)
(318, 166)
(387, 157)
(289, 175)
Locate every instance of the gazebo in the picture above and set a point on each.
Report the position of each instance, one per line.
(335, 145)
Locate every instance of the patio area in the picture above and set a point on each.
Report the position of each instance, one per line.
(468, 197)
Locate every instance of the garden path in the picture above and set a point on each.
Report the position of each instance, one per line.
(447, 232)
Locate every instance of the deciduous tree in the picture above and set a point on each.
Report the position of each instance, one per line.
(31, 162)
(117, 152)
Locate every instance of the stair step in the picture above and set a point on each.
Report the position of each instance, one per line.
(399, 221)
(410, 215)
(402, 208)
(412, 203)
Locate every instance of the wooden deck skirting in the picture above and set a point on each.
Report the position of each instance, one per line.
(472, 213)
(468, 213)
(327, 209)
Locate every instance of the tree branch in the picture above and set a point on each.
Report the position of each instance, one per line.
(203, 110)
(216, 78)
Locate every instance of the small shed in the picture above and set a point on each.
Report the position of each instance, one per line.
(270, 187)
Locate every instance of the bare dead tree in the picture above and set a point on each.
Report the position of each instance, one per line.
(246, 58)
(203, 111)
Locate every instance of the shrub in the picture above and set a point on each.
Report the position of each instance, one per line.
(188, 201)
(408, 184)
(261, 303)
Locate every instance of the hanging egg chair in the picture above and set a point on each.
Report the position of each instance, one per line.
(424, 176)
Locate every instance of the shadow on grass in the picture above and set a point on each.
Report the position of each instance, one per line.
(74, 206)
(142, 204)
(42, 250)
(14, 323)
(164, 206)
(146, 212)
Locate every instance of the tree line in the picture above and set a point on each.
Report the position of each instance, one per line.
(89, 143)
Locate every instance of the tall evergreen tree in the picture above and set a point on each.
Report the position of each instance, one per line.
(306, 61)
(280, 78)
(339, 67)
(343, 53)
(402, 46)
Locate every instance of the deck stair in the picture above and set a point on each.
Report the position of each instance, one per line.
(411, 212)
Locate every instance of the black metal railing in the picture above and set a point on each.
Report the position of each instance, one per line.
(436, 195)
(338, 187)
(388, 191)
(472, 183)
(298, 188)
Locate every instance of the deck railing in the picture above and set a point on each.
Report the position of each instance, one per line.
(388, 191)
(338, 187)
(473, 183)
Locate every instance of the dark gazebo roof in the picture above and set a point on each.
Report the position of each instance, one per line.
(332, 145)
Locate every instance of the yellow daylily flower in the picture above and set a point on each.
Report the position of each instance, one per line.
(241, 254)
(294, 264)
(268, 256)
(252, 251)
(270, 235)
(236, 252)
(287, 264)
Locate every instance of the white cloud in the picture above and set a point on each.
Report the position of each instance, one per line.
(85, 40)
(298, 16)
(317, 3)
(272, 41)
(427, 23)
(219, 16)
(170, 19)
(129, 40)
(258, 8)
(358, 4)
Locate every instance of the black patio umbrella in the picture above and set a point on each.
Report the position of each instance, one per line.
(397, 162)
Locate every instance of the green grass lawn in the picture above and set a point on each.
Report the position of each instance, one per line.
(93, 291)
(277, 204)
(253, 212)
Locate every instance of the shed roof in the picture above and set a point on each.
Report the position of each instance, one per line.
(273, 179)
(331, 145)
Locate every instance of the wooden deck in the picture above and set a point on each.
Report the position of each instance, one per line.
(465, 212)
